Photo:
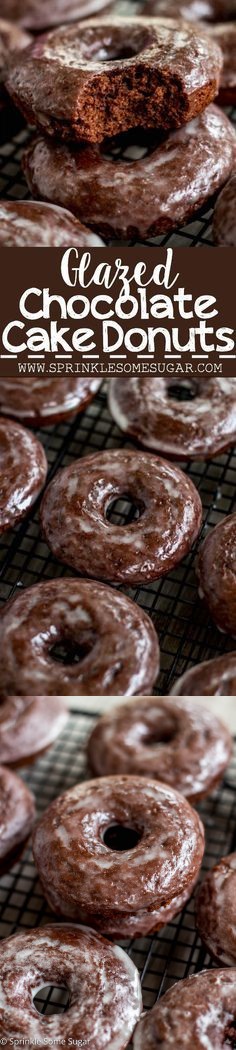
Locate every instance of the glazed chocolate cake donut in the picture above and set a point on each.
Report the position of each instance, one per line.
(224, 221)
(121, 853)
(198, 1012)
(211, 678)
(29, 725)
(23, 467)
(108, 643)
(105, 998)
(17, 815)
(167, 185)
(75, 511)
(96, 79)
(34, 224)
(40, 402)
(216, 910)
(170, 740)
(39, 14)
(216, 570)
(191, 10)
(197, 428)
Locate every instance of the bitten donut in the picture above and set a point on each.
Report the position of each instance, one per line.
(39, 14)
(198, 1012)
(109, 644)
(217, 574)
(170, 740)
(211, 678)
(191, 10)
(167, 185)
(33, 224)
(216, 911)
(120, 853)
(92, 80)
(29, 725)
(41, 402)
(17, 815)
(224, 221)
(23, 468)
(198, 428)
(75, 509)
(105, 998)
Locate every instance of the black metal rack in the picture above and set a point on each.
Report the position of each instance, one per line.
(186, 633)
(162, 959)
(196, 234)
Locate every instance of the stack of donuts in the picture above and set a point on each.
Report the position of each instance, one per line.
(93, 88)
(119, 856)
(80, 636)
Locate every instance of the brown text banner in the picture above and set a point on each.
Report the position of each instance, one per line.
(117, 311)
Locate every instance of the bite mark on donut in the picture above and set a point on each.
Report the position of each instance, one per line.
(71, 90)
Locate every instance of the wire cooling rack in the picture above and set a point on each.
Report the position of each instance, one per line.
(162, 959)
(197, 233)
(186, 633)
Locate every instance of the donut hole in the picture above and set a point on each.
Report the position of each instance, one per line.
(123, 509)
(230, 1034)
(108, 53)
(132, 145)
(121, 838)
(51, 999)
(67, 651)
(111, 45)
(157, 738)
(185, 390)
